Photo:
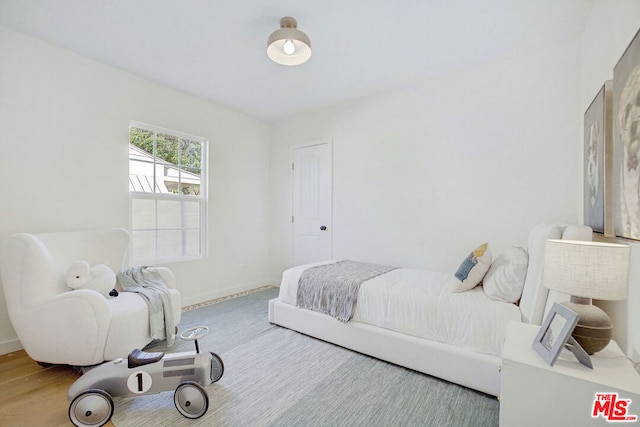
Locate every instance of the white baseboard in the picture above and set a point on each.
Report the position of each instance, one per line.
(219, 293)
(10, 346)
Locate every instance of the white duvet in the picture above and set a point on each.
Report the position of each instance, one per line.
(420, 303)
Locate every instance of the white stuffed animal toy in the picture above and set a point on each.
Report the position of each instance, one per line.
(100, 278)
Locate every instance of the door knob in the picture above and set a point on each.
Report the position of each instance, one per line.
(323, 227)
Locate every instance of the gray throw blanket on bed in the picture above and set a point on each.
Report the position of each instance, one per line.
(148, 283)
(333, 288)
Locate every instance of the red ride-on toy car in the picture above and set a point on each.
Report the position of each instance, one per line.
(142, 373)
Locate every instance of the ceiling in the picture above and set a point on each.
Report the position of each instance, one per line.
(216, 49)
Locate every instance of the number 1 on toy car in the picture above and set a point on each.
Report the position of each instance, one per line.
(139, 382)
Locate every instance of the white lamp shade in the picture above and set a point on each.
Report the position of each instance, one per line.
(277, 40)
(587, 269)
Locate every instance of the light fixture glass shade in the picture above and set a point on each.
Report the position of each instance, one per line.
(288, 34)
(586, 269)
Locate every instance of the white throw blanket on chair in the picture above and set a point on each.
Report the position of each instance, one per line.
(147, 282)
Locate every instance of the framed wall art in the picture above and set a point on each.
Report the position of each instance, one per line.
(598, 161)
(626, 142)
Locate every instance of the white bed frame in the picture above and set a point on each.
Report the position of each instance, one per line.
(478, 371)
(461, 366)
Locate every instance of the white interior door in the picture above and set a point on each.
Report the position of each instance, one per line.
(311, 219)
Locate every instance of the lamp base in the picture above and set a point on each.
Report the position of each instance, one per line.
(594, 329)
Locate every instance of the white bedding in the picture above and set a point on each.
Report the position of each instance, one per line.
(420, 303)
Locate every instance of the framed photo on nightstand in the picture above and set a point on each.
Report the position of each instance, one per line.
(555, 334)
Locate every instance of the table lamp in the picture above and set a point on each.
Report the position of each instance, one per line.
(588, 270)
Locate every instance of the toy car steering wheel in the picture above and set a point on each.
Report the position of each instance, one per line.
(194, 333)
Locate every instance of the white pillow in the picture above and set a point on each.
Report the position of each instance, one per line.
(534, 295)
(505, 279)
(472, 269)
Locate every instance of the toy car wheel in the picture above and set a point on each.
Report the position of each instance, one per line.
(217, 367)
(191, 400)
(91, 408)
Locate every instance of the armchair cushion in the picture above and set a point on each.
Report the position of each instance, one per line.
(130, 317)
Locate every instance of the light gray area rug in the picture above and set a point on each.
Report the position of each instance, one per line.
(277, 377)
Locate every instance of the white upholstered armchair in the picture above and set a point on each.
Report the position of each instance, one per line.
(58, 325)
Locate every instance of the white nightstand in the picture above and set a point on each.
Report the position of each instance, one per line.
(533, 393)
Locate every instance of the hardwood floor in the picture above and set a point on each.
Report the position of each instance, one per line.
(31, 395)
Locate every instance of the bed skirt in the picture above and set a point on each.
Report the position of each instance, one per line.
(458, 365)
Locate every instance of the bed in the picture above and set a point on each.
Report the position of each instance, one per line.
(428, 321)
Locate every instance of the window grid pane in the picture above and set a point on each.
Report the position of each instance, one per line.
(168, 201)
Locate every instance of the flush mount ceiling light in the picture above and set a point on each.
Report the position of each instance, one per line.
(288, 45)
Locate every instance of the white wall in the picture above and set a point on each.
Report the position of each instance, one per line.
(425, 173)
(608, 32)
(64, 161)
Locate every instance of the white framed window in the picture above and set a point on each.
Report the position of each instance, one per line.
(167, 195)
